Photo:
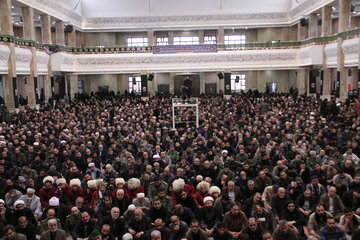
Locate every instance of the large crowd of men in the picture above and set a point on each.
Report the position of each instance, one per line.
(106, 166)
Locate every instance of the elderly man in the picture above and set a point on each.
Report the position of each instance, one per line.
(233, 191)
(32, 202)
(141, 201)
(332, 203)
(116, 223)
(53, 232)
(235, 221)
(156, 235)
(139, 225)
(50, 214)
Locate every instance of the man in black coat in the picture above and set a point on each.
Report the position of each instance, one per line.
(26, 228)
(158, 211)
(84, 228)
(117, 224)
(139, 225)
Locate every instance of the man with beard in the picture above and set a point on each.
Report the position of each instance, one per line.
(158, 211)
(32, 201)
(121, 201)
(26, 228)
(85, 227)
(72, 219)
(209, 216)
(249, 204)
(116, 223)
(21, 210)
(317, 220)
(235, 221)
(165, 232)
(331, 231)
(349, 222)
(279, 203)
(11, 234)
(53, 232)
(264, 218)
(177, 227)
(284, 232)
(306, 202)
(196, 232)
(139, 225)
(254, 231)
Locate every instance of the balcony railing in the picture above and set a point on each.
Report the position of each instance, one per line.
(220, 47)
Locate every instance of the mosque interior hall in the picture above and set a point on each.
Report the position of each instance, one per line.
(172, 120)
(59, 48)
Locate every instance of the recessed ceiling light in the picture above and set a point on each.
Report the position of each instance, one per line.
(12, 7)
(333, 8)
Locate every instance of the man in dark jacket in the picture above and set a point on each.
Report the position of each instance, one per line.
(116, 223)
(139, 225)
(84, 228)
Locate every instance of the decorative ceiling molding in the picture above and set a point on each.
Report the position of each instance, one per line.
(350, 48)
(186, 21)
(56, 9)
(183, 62)
(42, 62)
(331, 51)
(23, 58)
(4, 58)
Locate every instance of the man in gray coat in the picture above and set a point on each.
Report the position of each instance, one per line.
(53, 232)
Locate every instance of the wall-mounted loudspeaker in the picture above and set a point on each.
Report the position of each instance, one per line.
(150, 77)
(303, 22)
(69, 28)
(237, 79)
(220, 75)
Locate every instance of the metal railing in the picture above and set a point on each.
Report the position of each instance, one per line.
(221, 47)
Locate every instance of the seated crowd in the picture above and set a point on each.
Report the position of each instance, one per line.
(259, 167)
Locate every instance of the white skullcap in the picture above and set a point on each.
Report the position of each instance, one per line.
(131, 207)
(156, 156)
(2, 201)
(91, 164)
(127, 236)
(140, 195)
(17, 202)
(36, 144)
(30, 190)
(208, 198)
(224, 151)
(54, 201)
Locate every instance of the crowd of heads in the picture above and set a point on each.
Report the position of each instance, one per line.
(260, 166)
